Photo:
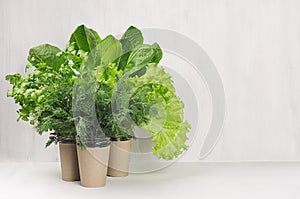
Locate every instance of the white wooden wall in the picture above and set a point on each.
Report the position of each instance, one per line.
(255, 45)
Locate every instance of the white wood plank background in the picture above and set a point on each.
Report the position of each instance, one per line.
(255, 45)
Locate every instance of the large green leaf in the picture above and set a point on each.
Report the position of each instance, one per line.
(110, 49)
(47, 54)
(157, 56)
(85, 39)
(134, 37)
(131, 39)
(143, 55)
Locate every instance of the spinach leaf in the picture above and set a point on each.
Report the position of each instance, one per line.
(110, 49)
(85, 39)
(130, 40)
(134, 37)
(47, 54)
(143, 55)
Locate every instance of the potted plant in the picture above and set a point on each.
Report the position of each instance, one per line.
(94, 93)
(45, 97)
(144, 96)
(130, 89)
(128, 53)
(93, 145)
(95, 125)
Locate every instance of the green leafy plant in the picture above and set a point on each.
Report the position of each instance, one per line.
(97, 89)
(128, 53)
(154, 106)
(132, 90)
(45, 95)
(87, 106)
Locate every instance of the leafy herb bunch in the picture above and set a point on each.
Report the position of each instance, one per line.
(45, 94)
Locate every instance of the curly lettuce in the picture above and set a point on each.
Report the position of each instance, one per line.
(151, 102)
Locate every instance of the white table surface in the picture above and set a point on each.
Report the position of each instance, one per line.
(181, 180)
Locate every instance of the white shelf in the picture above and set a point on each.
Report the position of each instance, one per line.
(181, 180)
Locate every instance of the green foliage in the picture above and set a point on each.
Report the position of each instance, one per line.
(45, 95)
(134, 90)
(46, 54)
(130, 41)
(85, 39)
(154, 106)
(98, 89)
(109, 50)
(163, 116)
(134, 37)
(143, 55)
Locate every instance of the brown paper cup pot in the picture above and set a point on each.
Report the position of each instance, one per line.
(69, 162)
(119, 158)
(93, 166)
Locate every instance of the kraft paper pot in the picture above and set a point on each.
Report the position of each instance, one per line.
(93, 166)
(69, 162)
(119, 158)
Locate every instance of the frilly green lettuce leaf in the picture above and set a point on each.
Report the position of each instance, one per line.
(154, 106)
